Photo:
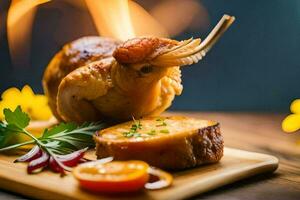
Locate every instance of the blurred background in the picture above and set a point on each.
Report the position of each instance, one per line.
(254, 67)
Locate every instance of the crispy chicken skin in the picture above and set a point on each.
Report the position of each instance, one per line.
(86, 84)
(72, 56)
(96, 78)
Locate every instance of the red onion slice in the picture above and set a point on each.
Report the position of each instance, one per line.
(38, 164)
(72, 159)
(33, 154)
(55, 166)
(68, 160)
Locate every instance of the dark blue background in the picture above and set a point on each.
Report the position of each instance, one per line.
(254, 67)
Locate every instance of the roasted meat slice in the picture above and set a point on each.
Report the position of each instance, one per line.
(172, 143)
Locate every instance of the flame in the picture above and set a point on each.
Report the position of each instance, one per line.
(189, 14)
(144, 23)
(123, 19)
(120, 19)
(19, 22)
(112, 18)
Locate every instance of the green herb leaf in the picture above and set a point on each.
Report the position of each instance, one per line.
(133, 129)
(137, 124)
(137, 135)
(8, 134)
(70, 137)
(164, 131)
(163, 123)
(152, 132)
(14, 124)
(17, 117)
(63, 138)
(128, 134)
(62, 127)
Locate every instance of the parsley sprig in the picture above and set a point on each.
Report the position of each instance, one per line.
(58, 140)
(162, 122)
(133, 132)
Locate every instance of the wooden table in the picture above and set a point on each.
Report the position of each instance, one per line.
(259, 133)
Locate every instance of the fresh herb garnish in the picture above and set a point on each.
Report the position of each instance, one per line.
(152, 132)
(164, 131)
(128, 134)
(163, 123)
(133, 132)
(137, 124)
(62, 139)
(137, 135)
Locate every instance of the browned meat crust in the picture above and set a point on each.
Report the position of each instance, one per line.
(188, 150)
(141, 49)
(72, 56)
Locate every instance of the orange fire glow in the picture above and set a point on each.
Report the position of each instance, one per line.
(120, 19)
(112, 18)
(177, 15)
(19, 22)
(144, 24)
(123, 19)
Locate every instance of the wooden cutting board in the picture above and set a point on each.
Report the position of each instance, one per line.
(235, 165)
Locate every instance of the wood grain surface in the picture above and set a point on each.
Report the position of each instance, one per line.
(234, 166)
(257, 132)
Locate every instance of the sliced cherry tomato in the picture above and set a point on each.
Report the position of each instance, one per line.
(115, 176)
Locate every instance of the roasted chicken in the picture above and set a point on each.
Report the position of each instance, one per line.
(96, 78)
